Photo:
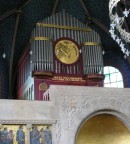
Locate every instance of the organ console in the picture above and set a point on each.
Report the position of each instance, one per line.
(64, 51)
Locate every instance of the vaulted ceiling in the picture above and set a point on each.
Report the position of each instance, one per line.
(18, 18)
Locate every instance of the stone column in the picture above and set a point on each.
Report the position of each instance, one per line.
(29, 126)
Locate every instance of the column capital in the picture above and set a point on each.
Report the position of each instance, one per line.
(29, 126)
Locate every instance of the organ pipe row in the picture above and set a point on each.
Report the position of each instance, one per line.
(43, 36)
(41, 58)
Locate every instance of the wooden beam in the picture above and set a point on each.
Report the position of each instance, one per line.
(55, 6)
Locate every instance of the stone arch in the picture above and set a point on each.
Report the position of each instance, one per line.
(120, 116)
(77, 104)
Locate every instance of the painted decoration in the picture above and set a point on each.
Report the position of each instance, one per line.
(40, 135)
(19, 134)
(13, 134)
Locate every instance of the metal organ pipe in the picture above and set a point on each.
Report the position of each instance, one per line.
(34, 51)
(97, 59)
(47, 45)
(39, 50)
(45, 50)
(42, 51)
(47, 29)
(94, 54)
(64, 24)
(42, 57)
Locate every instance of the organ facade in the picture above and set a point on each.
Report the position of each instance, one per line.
(62, 51)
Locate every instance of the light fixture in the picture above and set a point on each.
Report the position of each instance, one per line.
(117, 30)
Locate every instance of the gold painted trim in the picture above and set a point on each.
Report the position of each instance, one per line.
(64, 27)
(41, 38)
(91, 44)
(43, 87)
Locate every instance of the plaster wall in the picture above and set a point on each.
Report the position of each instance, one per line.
(76, 104)
(69, 107)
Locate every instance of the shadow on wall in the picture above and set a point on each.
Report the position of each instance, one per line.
(3, 79)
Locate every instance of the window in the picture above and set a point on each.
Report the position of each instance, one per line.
(113, 77)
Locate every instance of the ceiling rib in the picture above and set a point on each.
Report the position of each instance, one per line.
(94, 20)
(12, 55)
(55, 6)
(13, 46)
(7, 14)
(13, 11)
(101, 25)
(23, 4)
(85, 9)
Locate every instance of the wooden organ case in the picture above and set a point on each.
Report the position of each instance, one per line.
(64, 51)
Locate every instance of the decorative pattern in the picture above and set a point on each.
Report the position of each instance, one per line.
(76, 104)
(25, 134)
(27, 122)
(66, 51)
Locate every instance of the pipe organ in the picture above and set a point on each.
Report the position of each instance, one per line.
(64, 51)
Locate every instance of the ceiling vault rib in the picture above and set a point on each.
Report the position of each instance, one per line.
(13, 47)
(7, 14)
(94, 20)
(23, 4)
(55, 6)
(11, 12)
(102, 26)
(12, 55)
(85, 9)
